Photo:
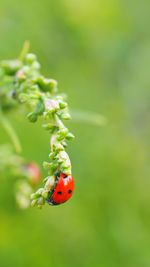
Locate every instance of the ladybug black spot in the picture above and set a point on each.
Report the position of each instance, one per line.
(69, 191)
(59, 193)
(65, 176)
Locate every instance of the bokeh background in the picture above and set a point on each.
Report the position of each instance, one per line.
(99, 51)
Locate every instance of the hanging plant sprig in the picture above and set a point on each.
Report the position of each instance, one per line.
(22, 83)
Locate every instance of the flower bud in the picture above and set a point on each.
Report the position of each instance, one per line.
(30, 58)
(62, 104)
(66, 170)
(40, 201)
(48, 126)
(62, 134)
(47, 85)
(51, 85)
(33, 196)
(65, 116)
(34, 87)
(65, 159)
(32, 117)
(26, 70)
(36, 65)
(33, 172)
(40, 108)
(70, 136)
(64, 144)
(58, 147)
(50, 183)
(11, 66)
(33, 202)
(45, 194)
(52, 155)
(23, 98)
(20, 75)
(53, 166)
(40, 191)
(51, 105)
(46, 165)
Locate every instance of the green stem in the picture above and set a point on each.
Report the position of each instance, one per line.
(10, 132)
(25, 50)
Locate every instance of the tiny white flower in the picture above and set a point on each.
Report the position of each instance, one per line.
(51, 104)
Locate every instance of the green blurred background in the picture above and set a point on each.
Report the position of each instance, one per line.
(99, 51)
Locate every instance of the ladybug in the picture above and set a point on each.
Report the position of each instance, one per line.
(63, 190)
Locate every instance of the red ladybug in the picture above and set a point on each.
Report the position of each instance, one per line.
(63, 190)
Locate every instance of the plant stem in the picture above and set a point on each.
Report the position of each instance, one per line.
(10, 132)
(25, 50)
